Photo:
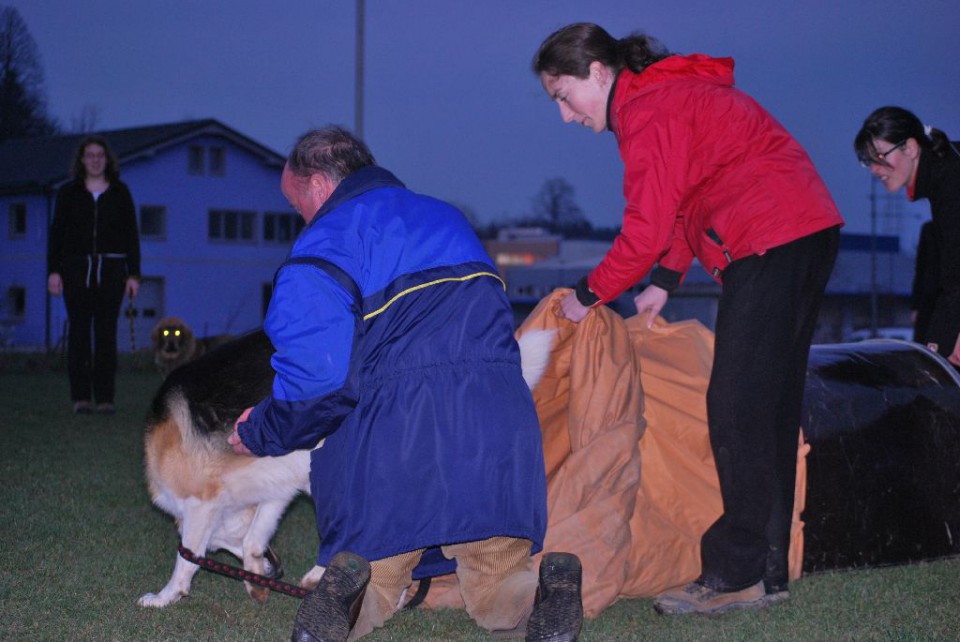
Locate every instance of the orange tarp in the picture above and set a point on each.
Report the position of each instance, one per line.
(631, 483)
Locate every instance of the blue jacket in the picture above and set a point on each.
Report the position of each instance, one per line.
(394, 341)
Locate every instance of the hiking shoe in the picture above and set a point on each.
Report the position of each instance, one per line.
(106, 409)
(697, 598)
(558, 610)
(329, 611)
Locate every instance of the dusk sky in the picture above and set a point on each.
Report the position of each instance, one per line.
(452, 107)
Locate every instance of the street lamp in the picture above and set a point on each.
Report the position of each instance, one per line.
(358, 83)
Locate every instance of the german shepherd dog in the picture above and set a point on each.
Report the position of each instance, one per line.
(221, 500)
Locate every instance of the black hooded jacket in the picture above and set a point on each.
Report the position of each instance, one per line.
(84, 227)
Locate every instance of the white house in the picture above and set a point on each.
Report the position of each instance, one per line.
(214, 227)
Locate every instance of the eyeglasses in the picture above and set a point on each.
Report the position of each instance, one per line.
(880, 158)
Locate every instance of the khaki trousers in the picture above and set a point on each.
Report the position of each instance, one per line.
(496, 578)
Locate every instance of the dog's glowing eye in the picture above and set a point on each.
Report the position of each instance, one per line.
(166, 333)
(177, 333)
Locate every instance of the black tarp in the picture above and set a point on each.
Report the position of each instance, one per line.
(882, 418)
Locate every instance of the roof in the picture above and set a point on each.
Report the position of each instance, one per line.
(42, 164)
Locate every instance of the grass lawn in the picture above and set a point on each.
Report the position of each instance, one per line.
(80, 542)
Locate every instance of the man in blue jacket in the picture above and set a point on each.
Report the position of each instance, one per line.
(394, 342)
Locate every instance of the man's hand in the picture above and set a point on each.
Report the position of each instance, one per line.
(55, 284)
(234, 438)
(651, 300)
(571, 309)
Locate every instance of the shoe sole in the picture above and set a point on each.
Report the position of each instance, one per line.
(558, 612)
(329, 611)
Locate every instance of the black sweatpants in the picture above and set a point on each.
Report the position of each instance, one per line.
(765, 322)
(93, 294)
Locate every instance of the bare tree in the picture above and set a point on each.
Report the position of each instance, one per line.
(556, 206)
(23, 102)
(86, 121)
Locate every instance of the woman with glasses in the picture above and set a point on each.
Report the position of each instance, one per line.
(93, 257)
(903, 153)
(710, 174)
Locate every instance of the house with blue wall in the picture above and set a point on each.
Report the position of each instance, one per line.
(213, 224)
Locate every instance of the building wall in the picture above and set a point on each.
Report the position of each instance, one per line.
(216, 286)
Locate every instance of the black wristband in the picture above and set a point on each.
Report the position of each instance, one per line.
(665, 279)
(585, 295)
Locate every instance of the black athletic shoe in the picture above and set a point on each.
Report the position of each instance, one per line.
(558, 611)
(329, 611)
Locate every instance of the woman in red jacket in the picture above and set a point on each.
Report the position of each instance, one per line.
(710, 174)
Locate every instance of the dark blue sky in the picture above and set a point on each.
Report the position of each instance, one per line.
(451, 106)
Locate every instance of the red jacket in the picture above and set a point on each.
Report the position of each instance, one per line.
(708, 173)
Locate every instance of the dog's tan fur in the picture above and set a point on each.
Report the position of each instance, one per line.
(221, 500)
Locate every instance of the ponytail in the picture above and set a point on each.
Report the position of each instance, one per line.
(571, 50)
(895, 124)
(939, 142)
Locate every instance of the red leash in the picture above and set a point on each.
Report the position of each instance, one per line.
(239, 574)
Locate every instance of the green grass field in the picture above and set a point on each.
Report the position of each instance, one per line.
(80, 542)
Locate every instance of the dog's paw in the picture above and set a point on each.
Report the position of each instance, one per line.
(158, 600)
(258, 593)
(312, 578)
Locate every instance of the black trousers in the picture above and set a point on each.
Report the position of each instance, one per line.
(765, 322)
(93, 294)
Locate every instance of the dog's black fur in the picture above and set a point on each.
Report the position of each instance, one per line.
(223, 383)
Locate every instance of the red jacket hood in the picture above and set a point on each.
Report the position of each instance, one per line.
(699, 66)
(718, 71)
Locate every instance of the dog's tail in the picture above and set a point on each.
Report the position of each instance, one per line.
(535, 347)
(194, 439)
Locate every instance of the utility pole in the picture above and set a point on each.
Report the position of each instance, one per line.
(358, 83)
(873, 256)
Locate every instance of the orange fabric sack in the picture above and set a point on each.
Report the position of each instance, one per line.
(631, 483)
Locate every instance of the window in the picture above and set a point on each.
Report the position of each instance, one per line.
(17, 300)
(218, 161)
(153, 222)
(18, 221)
(195, 154)
(281, 227)
(230, 225)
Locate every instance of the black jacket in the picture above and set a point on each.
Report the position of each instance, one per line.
(938, 179)
(83, 227)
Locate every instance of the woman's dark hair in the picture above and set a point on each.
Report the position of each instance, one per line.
(77, 170)
(570, 50)
(331, 151)
(895, 125)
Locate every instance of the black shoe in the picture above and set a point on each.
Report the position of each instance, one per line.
(329, 611)
(558, 611)
(82, 408)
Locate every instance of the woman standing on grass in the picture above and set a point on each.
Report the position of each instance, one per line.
(709, 173)
(902, 153)
(93, 257)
